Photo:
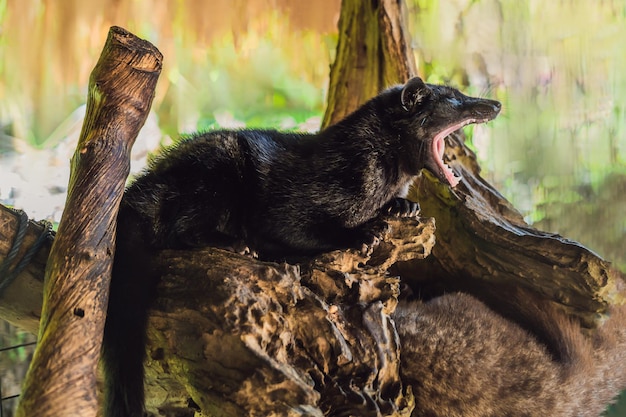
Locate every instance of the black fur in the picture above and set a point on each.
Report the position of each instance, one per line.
(280, 194)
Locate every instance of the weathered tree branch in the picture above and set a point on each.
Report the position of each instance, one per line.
(232, 336)
(484, 247)
(78, 270)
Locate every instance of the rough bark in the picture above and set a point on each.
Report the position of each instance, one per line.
(373, 53)
(229, 334)
(485, 247)
(233, 336)
(62, 376)
(21, 301)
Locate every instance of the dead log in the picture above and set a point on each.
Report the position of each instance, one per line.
(484, 247)
(21, 296)
(229, 334)
(234, 336)
(62, 376)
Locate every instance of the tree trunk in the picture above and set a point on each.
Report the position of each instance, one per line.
(61, 380)
(373, 53)
(230, 335)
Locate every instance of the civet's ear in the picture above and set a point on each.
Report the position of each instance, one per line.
(413, 93)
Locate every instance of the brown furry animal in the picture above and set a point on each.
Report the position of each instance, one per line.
(463, 359)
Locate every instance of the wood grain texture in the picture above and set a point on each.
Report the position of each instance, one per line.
(373, 53)
(21, 301)
(242, 337)
(62, 377)
(229, 335)
(484, 247)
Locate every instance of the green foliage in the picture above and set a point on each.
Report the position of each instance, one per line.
(557, 152)
(267, 66)
(618, 409)
(560, 143)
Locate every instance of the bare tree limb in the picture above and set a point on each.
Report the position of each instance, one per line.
(62, 376)
(267, 339)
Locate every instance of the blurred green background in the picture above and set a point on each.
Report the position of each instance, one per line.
(558, 151)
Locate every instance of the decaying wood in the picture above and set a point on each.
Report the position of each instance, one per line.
(243, 337)
(20, 302)
(485, 247)
(373, 53)
(61, 380)
(229, 334)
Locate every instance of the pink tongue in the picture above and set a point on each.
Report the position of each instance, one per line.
(438, 150)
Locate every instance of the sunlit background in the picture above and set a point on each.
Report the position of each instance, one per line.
(558, 151)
